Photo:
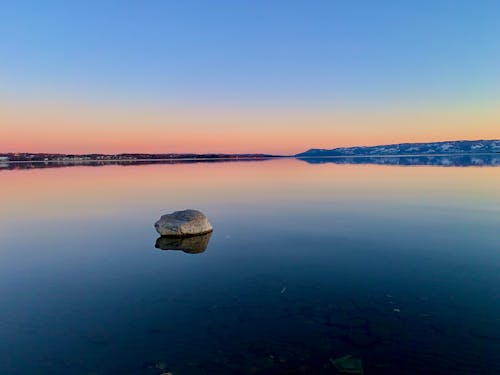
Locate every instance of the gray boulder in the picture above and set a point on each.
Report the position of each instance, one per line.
(183, 224)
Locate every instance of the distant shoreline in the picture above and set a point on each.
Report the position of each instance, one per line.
(267, 157)
(478, 147)
(83, 161)
(397, 155)
(442, 160)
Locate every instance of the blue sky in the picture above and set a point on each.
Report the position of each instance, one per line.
(253, 54)
(256, 50)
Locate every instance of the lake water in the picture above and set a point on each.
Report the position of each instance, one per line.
(398, 266)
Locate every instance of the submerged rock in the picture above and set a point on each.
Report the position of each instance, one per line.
(348, 364)
(183, 224)
(161, 366)
(190, 245)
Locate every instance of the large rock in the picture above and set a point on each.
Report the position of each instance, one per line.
(183, 224)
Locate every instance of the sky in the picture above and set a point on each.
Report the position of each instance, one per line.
(245, 76)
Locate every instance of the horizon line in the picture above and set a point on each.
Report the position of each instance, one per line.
(242, 154)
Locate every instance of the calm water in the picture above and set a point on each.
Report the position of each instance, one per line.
(396, 265)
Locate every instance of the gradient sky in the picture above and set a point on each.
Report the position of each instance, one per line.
(245, 76)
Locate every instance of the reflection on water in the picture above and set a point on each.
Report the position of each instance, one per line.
(431, 160)
(102, 163)
(190, 245)
(313, 268)
(436, 160)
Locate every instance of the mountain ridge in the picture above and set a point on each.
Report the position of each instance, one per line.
(420, 148)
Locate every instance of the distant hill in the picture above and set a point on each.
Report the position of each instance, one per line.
(432, 148)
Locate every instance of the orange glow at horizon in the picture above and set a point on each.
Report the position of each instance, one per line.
(72, 129)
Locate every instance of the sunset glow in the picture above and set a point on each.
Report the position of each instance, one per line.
(91, 130)
(237, 77)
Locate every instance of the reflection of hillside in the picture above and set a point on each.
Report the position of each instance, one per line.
(190, 245)
(438, 160)
(61, 164)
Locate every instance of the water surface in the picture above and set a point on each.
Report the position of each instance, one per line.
(396, 265)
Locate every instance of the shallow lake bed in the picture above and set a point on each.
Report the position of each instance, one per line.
(394, 265)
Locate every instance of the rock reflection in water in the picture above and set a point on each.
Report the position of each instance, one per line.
(190, 245)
